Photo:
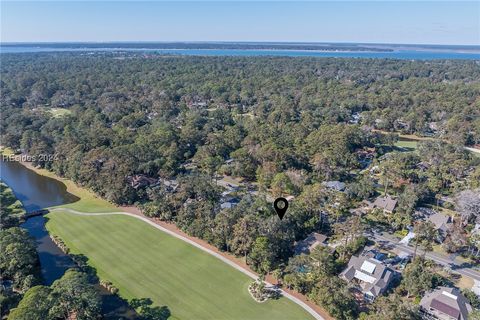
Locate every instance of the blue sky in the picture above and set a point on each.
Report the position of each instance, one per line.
(429, 22)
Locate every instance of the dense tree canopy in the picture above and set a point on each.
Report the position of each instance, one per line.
(160, 131)
(131, 114)
(18, 258)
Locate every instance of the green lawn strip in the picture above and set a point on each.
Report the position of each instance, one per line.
(89, 202)
(90, 205)
(59, 112)
(407, 144)
(145, 262)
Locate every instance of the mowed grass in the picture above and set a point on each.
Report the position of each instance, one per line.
(408, 144)
(89, 202)
(59, 112)
(145, 262)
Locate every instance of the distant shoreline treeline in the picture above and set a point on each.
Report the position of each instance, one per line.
(313, 46)
(202, 45)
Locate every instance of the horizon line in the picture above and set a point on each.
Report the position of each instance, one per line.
(232, 42)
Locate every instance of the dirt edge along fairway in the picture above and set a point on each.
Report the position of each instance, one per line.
(145, 262)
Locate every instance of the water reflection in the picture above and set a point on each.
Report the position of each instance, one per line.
(53, 261)
(37, 192)
(33, 190)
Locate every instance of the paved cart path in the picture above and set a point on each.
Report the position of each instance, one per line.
(177, 235)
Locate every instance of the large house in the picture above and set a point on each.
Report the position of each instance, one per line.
(386, 203)
(445, 304)
(369, 275)
(311, 242)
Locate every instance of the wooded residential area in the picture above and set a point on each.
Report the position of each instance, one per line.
(207, 142)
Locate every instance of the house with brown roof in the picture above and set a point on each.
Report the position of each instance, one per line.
(387, 204)
(368, 275)
(141, 180)
(445, 303)
(311, 242)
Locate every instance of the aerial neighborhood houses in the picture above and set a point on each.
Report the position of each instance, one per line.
(371, 271)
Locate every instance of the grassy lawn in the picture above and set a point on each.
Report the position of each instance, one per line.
(465, 282)
(414, 137)
(59, 112)
(145, 262)
(88, 202)
(411, 145)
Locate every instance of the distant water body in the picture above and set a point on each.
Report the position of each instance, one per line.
(397, 54)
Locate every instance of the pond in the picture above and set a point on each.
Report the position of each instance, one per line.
(37, 192)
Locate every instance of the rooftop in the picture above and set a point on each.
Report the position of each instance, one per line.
(309, 243)
(386, 203)
(373, 275)
(441, 221)
(446, 303)
(336, 185)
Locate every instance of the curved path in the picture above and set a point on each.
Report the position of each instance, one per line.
(193, 243)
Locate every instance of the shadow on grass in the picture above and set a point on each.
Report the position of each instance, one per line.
(147, 311)
(115, 307)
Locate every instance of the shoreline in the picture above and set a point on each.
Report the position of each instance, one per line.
(400, 54)
(170, 228)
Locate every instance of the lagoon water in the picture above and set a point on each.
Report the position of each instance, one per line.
(36, 192)
(33, 190)
(396, 54)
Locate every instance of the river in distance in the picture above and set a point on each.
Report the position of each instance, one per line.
(395, 54)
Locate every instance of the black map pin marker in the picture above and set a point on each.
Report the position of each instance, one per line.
(280, 205)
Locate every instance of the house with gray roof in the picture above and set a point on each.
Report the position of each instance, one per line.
(368, 275)
(311, 242)
(334, 185)
(442, 223)
(445, 303)
(386, 203)
(228, 202)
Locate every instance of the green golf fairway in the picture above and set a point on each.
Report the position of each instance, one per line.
(144, 262)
